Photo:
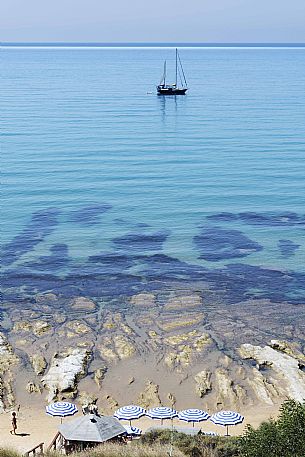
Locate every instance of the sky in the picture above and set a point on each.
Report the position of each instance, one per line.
(213, 21)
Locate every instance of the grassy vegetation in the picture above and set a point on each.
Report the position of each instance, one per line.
(8, 453)
(195, 446)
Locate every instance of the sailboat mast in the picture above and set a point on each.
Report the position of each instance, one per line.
(164, 72)
(176, 66)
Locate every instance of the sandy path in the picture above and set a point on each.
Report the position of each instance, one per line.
(38, 427)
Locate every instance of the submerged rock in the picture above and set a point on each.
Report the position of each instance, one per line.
(183, 302)
(145, 300)
(83, 304)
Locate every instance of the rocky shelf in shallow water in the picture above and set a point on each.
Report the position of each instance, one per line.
(149, 346)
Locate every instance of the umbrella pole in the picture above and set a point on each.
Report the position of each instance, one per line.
(227, 431)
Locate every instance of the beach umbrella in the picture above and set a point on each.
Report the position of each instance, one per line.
(210, 433)
(193, 415)
(227, 418)
(129, 413)
(135, 431)
(61, 409)
(161, 413)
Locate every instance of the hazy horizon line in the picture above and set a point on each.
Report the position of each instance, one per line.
(149, 44)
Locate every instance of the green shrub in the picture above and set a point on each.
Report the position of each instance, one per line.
(284, 437)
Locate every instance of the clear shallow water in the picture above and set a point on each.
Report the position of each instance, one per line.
(88, 144)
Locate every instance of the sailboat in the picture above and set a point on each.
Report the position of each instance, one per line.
(173, 89)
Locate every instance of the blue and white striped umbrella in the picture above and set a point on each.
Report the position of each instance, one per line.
(227, 418)
(61, 409)
(130, 412)
(161, 413)
(210, 433)
(134, 431)
(193, 415)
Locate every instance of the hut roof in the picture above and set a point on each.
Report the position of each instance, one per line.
(92, 428)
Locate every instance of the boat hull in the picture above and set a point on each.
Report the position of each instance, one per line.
(171, 91)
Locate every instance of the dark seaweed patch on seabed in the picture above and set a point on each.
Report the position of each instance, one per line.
(57, 260)
(284, 219)
(234, 283)
(42, 224)
(89, 215)
(248, 281)
(287, 248)
(216, 243)
(109, 263)
(141, 242)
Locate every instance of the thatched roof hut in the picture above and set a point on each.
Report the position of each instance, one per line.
(92, 428)
(86, 432)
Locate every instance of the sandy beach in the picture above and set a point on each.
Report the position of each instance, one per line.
(35, 427)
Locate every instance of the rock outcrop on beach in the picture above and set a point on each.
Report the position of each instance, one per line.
(99, 375)
(229, 393)
(7, 362)
(65, 369)
(39, 363)
(203, 382)
(150, 396)
(263, 389)
(286, 367)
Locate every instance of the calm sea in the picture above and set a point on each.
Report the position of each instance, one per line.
(103, 178)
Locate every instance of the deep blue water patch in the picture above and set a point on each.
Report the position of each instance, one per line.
(41, 225)
(223, 217)
(140, 242)
(109, 263)
(216, 243)
(277, 220)
(283, 219)
(287, 248)
(162, 267)
(89, 215)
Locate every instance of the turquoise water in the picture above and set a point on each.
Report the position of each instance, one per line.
(115, 171)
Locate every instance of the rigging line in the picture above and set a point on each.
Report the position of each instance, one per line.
(182, 70)
(180, 76)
